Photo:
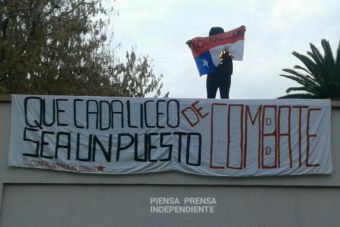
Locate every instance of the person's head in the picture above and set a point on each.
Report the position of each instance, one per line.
(215, 31)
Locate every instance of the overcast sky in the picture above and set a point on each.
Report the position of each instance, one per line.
(275, 28)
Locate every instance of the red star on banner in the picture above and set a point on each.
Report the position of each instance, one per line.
(100, 168)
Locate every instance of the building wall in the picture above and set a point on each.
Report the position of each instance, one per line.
(31, 197)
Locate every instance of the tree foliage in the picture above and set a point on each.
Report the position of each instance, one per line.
(61, 47)
(320, 75)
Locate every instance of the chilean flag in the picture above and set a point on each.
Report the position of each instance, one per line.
(207, 50)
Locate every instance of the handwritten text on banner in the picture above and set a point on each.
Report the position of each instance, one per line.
(109, 135)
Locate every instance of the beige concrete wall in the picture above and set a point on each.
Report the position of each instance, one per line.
(31, 197)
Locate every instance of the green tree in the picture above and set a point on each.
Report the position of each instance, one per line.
(320, 75)
(61, 47)
(135, 77)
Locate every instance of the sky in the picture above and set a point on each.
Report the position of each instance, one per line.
(275, 28)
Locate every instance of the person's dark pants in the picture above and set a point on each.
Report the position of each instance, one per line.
(215, 82)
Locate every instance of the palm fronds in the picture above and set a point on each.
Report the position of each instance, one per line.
(319, 76)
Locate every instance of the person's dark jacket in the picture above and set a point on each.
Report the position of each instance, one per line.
(226, 66)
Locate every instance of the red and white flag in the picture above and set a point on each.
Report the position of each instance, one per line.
(206, 50)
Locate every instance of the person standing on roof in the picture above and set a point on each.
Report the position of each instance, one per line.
(221, 78)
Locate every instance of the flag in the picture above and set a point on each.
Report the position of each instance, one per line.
(206, 50)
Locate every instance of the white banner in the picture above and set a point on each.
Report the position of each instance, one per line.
(110, 135)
